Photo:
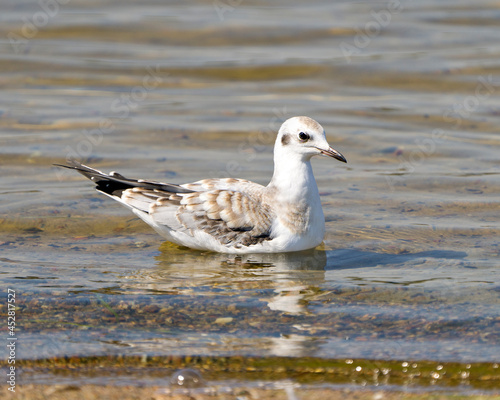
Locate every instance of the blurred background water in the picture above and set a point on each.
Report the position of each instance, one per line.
(179, 91)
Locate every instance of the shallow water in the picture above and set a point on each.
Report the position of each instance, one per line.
(409, 270)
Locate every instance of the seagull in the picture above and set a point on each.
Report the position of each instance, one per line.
(230, 215)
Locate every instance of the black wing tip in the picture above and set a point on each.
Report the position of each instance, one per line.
(73, 164)
(64, 166)
(102, 180)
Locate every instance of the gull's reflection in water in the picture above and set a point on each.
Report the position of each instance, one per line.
(279, 282)
(312, 260)
(182, 271)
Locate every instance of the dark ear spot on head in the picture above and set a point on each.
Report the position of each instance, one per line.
(285, 139)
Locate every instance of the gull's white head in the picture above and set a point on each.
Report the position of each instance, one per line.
(304, 137)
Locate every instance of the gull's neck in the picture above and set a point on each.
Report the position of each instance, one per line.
(294, 196)
(293, 180)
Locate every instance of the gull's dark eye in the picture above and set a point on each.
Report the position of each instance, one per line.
(304, 137)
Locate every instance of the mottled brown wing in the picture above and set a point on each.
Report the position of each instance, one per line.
(233, 218)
